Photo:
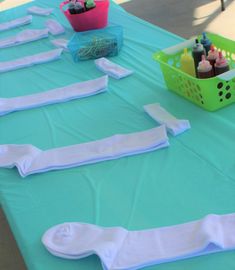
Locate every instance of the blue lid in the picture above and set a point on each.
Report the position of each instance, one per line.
(205, 40)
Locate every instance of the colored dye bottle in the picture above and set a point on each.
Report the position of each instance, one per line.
(221, 64)
(78, 8)
(71, 7)
(89, 4)
(197, 52)
(205, 42)
(187, 63)
(212, 55)
(204, 69)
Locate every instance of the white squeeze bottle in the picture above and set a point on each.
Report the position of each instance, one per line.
(187, 63)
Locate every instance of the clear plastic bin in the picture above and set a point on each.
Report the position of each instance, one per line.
(96, 43)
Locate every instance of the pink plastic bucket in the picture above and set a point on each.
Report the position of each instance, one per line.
(92, 19)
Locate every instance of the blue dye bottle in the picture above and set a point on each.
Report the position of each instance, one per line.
(205, 41)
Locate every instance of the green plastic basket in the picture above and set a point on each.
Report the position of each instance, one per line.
(210, 94)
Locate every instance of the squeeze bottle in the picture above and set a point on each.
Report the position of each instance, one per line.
(71, 7)
(197, 52)
(187, 63)
(221, 64)
(205, 42)
(89, 4)
(205, 69)
(212, 55)
(78, 8)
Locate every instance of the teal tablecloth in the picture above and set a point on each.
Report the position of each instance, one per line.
(195, 176)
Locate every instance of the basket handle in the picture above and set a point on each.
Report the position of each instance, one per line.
(179, 47)
(227, 76)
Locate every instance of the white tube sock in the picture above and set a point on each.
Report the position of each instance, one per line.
(29, 159)
(112, 69)
(40, 11)
(120, 249)
(24, 37)
(61, 43)
(30, 60)
(15, 23)
(58, 95)
(173, 125)
(54, 27)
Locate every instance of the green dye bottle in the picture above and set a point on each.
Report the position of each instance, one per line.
(90, 4)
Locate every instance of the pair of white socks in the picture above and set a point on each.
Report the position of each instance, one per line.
(120, 249)
(16, 23)
(61, 43)
(54, 27)
(40, 11)
(29, 35)
(30, 60)
(173, 125)
(58, 95)
(24, 36)
(29, 159)
(113, 70)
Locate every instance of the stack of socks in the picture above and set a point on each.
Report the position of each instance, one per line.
(113, 70)
(173, 125)
(25, 36)
(30, 60)
(61, 43)
(58, 95)
(120, 249)
(40, 11)
(29, 159)
(16, 23)
(54, 27)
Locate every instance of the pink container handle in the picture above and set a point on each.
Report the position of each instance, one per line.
(63, 4)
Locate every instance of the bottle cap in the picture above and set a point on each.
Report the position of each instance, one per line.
(198, 46)
(186, 56)
(204, 65)
(221, 61)
(71, 4)
(213, 53)
(90, 4)
(205, 41)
